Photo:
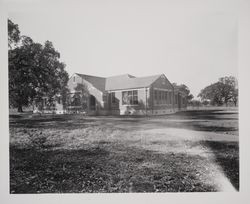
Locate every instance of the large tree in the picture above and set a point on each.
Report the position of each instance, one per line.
(13, 34)
(212, 93)
(183, 88)
(34, 72)
(229, 89)
(221, 92)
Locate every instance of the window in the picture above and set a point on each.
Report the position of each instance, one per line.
(166, 97)
(130, 97)
(162, 97)
(170, 97)
(113, 97)
(135, 97)
(155, 93)
(74, 79)
(157, 96)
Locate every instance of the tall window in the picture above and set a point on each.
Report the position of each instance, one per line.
(130, 97)
(113, 97)
(155, 94)
(166, 97)
(162, 97)
(74, 79)
(170, 97)
(176, 99)
(135, 97)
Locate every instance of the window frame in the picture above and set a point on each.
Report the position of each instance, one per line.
(113, 101)
(132, 97)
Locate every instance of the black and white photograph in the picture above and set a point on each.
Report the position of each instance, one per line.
(123, 97)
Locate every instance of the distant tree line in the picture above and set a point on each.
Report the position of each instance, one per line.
(35, 70)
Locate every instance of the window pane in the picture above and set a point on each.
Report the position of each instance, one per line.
(130, 99)
(124, 97)
(135, 100)
(113, 97)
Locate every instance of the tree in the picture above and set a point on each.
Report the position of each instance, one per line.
(34, 72)
(185, 89)
(235, 96)
(82, 94)
(229, 89)
(22, 74)
(212, 93)
(195, 103)
(221, 92)
(13, 34)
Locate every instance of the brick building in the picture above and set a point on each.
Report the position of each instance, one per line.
(124, 95)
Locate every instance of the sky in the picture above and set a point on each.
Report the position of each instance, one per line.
(192, 42)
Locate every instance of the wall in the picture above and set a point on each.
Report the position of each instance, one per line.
(122, 109)
(166, 107)
(101, 101)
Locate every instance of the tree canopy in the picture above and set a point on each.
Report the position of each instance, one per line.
(82, 94)
(13, 34)
(221, 92)
(35, 70)
(183, 88)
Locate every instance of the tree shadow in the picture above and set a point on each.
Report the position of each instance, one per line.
(105, 167)
(227, 157)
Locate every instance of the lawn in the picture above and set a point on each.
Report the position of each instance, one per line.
(188, 151)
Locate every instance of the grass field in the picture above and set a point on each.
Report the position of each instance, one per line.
(184, 152)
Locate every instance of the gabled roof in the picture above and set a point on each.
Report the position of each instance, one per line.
(129, 82)
(119, 82)
(97, 82)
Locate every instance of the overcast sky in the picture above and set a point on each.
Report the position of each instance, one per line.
(192, 42)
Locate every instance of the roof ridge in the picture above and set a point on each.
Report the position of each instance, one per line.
(120, 75)
(90, 75)
(155, 75)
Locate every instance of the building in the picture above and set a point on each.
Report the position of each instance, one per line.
(123, 95)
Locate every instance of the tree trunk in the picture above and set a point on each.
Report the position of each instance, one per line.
(19, 109)
(226, 102)
(235, 103)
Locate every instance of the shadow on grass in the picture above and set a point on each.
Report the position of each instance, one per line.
(69, 122)
(227, 157)
(97, 169)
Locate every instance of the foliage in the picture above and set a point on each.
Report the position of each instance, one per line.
(13, 34)
(34, 72)
(183, 88)
(221, 92)
(82, 94)
(195, 103)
